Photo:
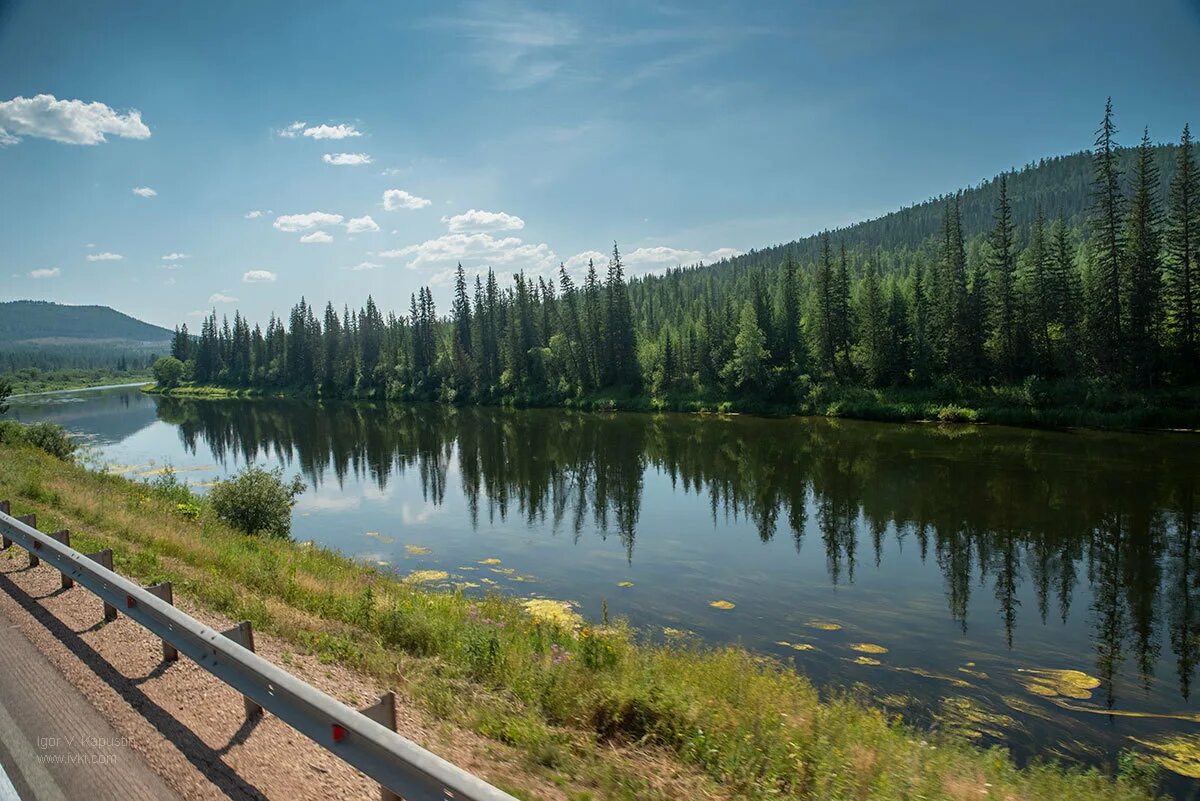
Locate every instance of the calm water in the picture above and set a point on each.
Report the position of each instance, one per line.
(974, 555)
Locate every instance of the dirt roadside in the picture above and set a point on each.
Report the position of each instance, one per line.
(190, 728)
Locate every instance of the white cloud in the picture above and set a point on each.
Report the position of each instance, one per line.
(332, 132)
(290, 223)
(254, 215)
(478, 220)
(198, 313)
(579, 262)
(291, 131)
(399, 199)
(723, 253)
(175, 256)
(49, 272)
(663, 256)
(364, 266)
(106, 256)
(171, 266)
(346, 159)
(481, 247)
(316, 238)
(258, 277)
(221, 297)
(358, 225)
(71, 121)
(144, 191)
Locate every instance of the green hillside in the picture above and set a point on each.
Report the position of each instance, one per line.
(38, 320)
(1056, 185)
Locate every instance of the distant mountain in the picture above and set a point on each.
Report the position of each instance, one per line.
(1057, 185)
(42, 322)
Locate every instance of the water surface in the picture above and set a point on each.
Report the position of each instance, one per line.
(975, 556)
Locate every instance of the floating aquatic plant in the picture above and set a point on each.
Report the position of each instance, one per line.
(824, 625)
(624, 583)
(721, 604)
(1176, 752)
(491, 560)
(867, 648)
(424, 576)
(416, 550)
(559, 613)
(384, 539)
(1050, 683)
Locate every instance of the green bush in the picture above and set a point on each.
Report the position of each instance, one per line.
(168, 372)
(257, 501)
(51, 438)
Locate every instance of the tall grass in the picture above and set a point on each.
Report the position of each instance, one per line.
(559, 691)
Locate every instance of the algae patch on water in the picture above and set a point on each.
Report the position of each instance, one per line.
(491, 560)
(867, 648)
(624, 583)
(721, 604)
(1176, 752)
(425, 576)
(966, 718)
(416, 550)
(1051, 683)
(824, 625)
(548, 610)
(864, 660)
(382, 538)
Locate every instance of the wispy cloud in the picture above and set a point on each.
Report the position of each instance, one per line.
(332, 132)
(105, 256)
(46, 272)
(364, 266)
(479, 247)
(175, 256)
(316, 238)
(221, 297)
(346, 159)
(291, 223)
(254, 215)
(73, 122)
(520, 46)
(258, 277)
(144, 191)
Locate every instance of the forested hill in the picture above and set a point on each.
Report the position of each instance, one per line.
(1057, 185)
(55, 323)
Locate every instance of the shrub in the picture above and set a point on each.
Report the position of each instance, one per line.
(168, 372)
(257, 501)
(51, 438)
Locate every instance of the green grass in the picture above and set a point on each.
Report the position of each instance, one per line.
(561, 694)
(28, 380)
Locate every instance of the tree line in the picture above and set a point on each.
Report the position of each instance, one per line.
(1110, 298)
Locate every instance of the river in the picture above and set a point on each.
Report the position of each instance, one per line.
(951, 574)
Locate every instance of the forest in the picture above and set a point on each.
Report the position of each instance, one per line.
(1087, 280)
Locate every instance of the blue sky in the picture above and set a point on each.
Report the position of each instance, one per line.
(520, 134)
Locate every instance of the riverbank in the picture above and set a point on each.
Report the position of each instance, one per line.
(1031, 405)
(27, 382)
(590, 706)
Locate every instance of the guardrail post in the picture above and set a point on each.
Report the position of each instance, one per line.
(31, 521)
(383, 712)
(5, 542)
(163, 592)
(64, 536)
(243, 635)
(104, 559)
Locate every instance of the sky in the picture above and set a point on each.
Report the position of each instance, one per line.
(171, 158)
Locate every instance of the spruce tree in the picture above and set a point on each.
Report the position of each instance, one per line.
(1003, 308)
(1143, 270)
(1108, 247)
(873, 322)
(1183, 259)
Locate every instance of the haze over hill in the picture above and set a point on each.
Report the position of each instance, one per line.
(43, 322)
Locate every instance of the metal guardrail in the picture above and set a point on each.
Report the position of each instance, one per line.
(399, 765)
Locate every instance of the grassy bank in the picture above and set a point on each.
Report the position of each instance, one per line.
(570, 695)
(1034, 404)
(31, 380)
